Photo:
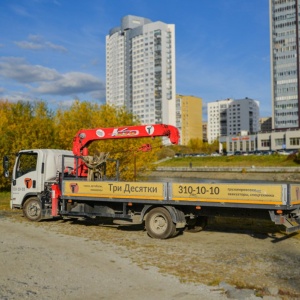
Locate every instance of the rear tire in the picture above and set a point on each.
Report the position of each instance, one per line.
(159, 224)
(32, 209)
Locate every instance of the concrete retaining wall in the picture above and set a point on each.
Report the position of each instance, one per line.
(252, 169)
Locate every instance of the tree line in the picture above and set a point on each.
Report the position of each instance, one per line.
(33, 125)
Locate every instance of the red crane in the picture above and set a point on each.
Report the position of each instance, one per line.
(85, 136)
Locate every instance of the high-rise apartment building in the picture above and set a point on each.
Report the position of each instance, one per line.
(189, 118)
(285, 76)
(231, 117)
(140, 69)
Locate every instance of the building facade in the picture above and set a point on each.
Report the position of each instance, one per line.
(230, 117)
(140, 69)
(265, 124)
(262, 141)
(189, 118)
(284, 43)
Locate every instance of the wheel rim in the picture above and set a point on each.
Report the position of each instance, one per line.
(158, 223)
(33, 210)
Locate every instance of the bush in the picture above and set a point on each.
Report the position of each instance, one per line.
(296, 157)
(165, 152)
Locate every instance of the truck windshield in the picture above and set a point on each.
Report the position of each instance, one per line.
(26, 163)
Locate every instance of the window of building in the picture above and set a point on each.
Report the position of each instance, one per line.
(247, 146)
(295, 141)
(265, 143)
(279, 142)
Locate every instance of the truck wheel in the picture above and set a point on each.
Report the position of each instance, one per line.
(159, 224)
(196, 225)
(32, 209)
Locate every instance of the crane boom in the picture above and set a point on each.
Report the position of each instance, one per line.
(85, 136)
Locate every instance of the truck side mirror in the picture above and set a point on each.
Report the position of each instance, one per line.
(5, 167)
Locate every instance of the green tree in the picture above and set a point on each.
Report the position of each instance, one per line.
(195, 144)
(213, 147)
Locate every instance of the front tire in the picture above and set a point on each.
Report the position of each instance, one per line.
(159, 224)
(32, 209)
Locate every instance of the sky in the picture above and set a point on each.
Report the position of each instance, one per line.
(54, 50)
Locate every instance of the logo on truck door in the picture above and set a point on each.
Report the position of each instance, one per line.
(28, 182)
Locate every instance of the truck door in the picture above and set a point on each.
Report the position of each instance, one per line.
(25, 180)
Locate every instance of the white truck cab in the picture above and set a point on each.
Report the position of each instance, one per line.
(33, 174)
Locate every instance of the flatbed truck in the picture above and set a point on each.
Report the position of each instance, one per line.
(49, 183)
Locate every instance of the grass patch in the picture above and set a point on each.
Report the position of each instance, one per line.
(4, 200)
(232, 161)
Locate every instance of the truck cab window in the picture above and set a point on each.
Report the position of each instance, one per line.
(26, 163)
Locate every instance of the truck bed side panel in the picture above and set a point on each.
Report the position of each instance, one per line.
(256, 194)
(251, 195)
(295, 194)
(114, 190)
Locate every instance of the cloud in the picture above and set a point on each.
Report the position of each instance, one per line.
(36, 42)
(17, 96)
(39, 80)
(20, 10)
(55, 47)
(18, 69)
(71, 83)
(99, 95)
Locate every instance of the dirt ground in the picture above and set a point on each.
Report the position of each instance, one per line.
(75, 259)
(67, 259)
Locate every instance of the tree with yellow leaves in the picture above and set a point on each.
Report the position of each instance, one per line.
(24, 125)
(85, 115)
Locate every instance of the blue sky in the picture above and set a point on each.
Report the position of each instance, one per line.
(54, 50)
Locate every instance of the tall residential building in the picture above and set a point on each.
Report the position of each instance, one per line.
(189, 118)
(140, 69)
(231, 117)
(284, 42)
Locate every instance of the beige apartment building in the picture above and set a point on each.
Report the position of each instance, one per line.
(265, 124)
(189, 118)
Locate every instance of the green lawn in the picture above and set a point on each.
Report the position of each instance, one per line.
(232, 161)
(4, 200)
